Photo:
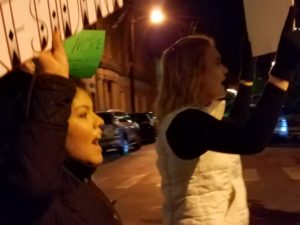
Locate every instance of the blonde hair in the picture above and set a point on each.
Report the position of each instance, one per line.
(181, 67)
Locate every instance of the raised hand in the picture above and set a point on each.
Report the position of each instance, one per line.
(53, 62)
(288, 52)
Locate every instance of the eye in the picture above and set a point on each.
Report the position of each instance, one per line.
(83, 115)
(82, 112)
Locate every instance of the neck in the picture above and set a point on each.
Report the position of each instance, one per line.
(79, 169)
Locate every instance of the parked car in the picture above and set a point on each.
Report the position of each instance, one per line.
(294, 126)
(119, 133)
(281, 131)
(287, 130)
(146, 121)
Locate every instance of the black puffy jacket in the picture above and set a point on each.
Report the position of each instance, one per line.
(38, 185)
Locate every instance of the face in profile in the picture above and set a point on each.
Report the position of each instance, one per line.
(84, 131)
(214, 75)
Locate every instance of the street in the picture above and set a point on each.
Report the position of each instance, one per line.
(272, 179)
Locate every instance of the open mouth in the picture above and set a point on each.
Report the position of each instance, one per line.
(225, 83)
(96, 141)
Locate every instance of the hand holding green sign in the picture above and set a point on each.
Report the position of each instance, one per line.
(84, 51)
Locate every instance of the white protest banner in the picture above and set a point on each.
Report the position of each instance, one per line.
(53, 14)
(28, 36)
(65, 17)
(5, 59)
(103, 6)
(265, 20)
(43, 17)
(26, 26)
(120, 3)
(92, 11)
(76, 22)
(10, 34)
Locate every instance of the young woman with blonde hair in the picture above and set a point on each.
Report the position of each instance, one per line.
(198, 152)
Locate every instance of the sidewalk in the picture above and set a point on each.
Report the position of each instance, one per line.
(273, 186)
(274, 198)
(262, 216)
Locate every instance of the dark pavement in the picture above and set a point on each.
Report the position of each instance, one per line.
(272, 179)
(273, 186)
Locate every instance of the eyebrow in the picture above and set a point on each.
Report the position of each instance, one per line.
(82, 106)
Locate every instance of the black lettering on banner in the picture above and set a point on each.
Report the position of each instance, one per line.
(103, 8)
(65, 18)
(75, 16)
(110, 5)
(84, 12)
(106, 7)
(2, 63)
(42, 27)
(10, 33)
(98, 8)
(32, 11)
(53, 14)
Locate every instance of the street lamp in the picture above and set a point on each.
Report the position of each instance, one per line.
(156, 17)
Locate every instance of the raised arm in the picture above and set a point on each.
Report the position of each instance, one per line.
(33, 170)
(192, 131)
(241, 107)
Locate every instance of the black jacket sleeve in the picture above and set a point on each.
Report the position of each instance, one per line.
(34, 171)
(192, 131)
(241, 108)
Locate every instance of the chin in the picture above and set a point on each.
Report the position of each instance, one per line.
(96, 158)
(96, 162)
(219, 97)
(223, 95)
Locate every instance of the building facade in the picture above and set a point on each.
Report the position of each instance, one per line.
(112, 85)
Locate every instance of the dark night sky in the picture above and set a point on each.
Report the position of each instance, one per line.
(221, 19)
(224, 20)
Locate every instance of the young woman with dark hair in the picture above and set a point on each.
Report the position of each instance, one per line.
(49, 148)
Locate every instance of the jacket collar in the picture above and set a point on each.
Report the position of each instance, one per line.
(79, 169)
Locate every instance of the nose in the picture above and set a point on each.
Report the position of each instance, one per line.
(98, 121)
(225, 69)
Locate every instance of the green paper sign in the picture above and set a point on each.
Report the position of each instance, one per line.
(84, 51)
